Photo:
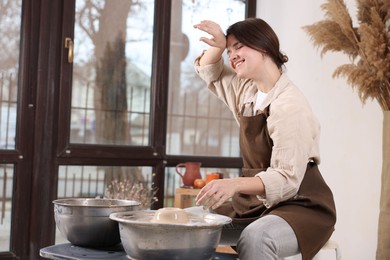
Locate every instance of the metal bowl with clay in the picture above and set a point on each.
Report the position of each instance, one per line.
(85, 222)
(170, 233)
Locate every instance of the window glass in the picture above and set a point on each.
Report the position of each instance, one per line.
(198, 123)
(10, 22)
(114, 182)
(6, 184)
(111, 72)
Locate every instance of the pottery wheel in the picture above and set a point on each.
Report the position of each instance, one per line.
(71, 252)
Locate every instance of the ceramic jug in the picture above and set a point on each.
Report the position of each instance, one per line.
(192, 172)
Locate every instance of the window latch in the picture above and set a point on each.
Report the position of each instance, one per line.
(69, 46)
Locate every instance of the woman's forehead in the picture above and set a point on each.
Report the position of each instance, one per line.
(231, 41)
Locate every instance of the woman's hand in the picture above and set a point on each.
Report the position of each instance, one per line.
(216, 192)
(217, 42)
(218, 38)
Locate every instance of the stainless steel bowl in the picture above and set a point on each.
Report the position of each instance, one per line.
(144, 239)
(86, 222)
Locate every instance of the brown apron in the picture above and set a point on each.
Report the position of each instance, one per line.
(311, 213)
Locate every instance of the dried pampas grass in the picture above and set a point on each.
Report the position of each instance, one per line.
(367, 45)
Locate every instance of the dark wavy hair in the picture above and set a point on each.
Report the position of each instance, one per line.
(257, 34)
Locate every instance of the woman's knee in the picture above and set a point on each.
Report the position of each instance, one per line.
(257, 236)
(269, 236)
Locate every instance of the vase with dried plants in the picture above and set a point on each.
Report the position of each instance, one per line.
(368, 47)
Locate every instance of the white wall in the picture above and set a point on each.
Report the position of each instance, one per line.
(351, 146)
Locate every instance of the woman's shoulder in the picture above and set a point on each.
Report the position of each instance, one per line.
(289, 100)
(287, 91)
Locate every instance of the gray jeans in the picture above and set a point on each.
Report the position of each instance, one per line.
(267, 238)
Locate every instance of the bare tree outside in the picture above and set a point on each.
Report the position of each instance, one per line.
(109, 85)
(100, 25)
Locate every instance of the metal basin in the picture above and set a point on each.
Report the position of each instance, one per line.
(142, 238)
(86, 222)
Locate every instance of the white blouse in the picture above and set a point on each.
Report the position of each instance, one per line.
(260, 97)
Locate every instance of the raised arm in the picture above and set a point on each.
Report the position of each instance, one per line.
(217, 42)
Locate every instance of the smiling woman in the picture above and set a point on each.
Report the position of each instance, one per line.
(111, 79)
(275, 208)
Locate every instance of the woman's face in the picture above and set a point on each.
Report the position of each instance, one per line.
(245, 61)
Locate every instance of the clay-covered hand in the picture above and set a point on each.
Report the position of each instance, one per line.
(218, 38)
(216, 192)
